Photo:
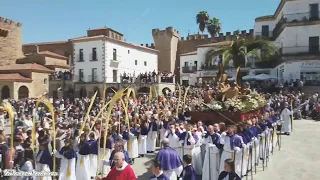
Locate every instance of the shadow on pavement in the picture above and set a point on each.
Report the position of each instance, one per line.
(145, 176)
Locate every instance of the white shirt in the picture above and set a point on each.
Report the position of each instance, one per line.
(28, 123)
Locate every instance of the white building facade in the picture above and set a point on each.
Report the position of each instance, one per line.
(295, 29)
(103, 59)
(193, 70)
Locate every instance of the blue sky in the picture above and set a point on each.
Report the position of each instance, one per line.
(58, 20)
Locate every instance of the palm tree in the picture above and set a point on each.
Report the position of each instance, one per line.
(214, 27)
(202, 20)
(240, 49)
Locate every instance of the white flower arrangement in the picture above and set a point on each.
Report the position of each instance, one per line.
(215, 105)
(242, 103)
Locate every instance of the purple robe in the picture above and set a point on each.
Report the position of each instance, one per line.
(84, 148)
(125, 135)
(134, 132)
(189, 173)
(215, 139)
(161, 177)
(183, 136)
(46, 158)
(68, 153)
(176, 132)
(169, 159)
(235, 141)
(108, 143)
(93, 145)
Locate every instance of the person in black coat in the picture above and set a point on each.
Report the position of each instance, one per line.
(228, 172)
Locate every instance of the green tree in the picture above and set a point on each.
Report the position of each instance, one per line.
(240, 49)
(202, 20)
(213, 27)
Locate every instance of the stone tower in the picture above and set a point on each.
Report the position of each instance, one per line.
(166, 42)
(10, 41)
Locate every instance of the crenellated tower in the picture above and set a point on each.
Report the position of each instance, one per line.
(10, 41)
(166, 42)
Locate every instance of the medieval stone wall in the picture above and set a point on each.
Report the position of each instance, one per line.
(10, 41)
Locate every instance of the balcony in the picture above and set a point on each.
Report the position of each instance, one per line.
(300, 50)
(93, 57)
(189, 69)
(263, 35)
(80, 58)
(209, 67)
(93, 78)
(115, 61)
(79, 79)
(297, 18)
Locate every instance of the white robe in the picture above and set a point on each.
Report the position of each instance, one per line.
(151, 140)
(230, 154)
(26, 167)
(286, 117)
(174, 173)
(211, 162)
(104, 161)
(65, 164)
(83, 167)
(133, 153)
(188, 149)
(162, 131)
(174, 142)
(245, 159)
(42, 167)
(264, 145)
(93, 164)
(142, 143)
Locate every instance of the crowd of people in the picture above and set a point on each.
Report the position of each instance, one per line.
(61, 75)
(188, 148)
(147, 77)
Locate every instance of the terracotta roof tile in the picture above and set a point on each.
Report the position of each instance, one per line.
(14, 77)
(189, 53)
(52, 54)
(28, 66)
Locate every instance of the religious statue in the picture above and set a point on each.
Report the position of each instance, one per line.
(232, 92)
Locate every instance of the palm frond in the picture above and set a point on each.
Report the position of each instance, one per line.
(226, 56)
(256, 54)
(213, 53)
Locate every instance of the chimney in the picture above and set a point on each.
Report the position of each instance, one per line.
(228, 34)
(37, 49)
(141, 44)
(147, 45)
(182, 38)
